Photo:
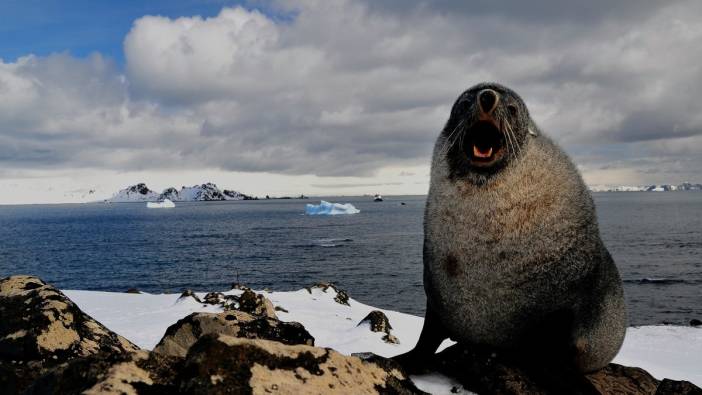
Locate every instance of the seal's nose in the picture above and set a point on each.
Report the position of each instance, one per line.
(488, 100)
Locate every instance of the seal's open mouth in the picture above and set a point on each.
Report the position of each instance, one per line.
(484, 144)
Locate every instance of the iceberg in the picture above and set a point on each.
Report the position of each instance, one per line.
(326, 208)
(166, 203)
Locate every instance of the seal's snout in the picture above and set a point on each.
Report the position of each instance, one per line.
(488, 99)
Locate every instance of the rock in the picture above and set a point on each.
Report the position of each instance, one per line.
(224, 364)
(280, 308)
(670, 387)
(133, 291)
(618, 379)
(341, 296)
(41, 328)
(484, 371)
(695, 322)
(256, 304)
(379, 322)
(220, 364)
(183, 334)
(189, 294)
(239, 286)
(214, 298)
(139, 372)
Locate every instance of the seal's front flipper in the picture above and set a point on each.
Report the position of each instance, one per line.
(433, 333)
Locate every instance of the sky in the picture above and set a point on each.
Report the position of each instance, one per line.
(319, 97)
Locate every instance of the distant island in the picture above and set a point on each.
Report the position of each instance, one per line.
(203, 192)
(210, 192)
(685, 186)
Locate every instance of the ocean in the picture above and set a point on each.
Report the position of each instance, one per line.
(376, 255)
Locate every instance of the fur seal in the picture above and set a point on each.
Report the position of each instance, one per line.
(513, 258)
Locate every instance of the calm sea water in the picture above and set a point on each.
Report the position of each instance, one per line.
(655, 238)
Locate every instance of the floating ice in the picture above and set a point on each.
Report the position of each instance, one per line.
(326, 208)
(166, 203)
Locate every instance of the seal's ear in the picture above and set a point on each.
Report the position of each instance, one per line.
(532, 129)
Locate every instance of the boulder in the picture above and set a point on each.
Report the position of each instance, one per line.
(103, 373)
(223, 364)
(220, 364)
(379, 322)
(256, 304)
(41, 328)
(183, 334)
(485, 371)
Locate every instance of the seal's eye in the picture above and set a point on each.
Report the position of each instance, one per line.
(512, 109)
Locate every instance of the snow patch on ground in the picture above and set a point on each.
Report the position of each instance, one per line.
(673, 352)
(327, 208)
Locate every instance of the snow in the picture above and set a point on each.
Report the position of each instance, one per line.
(673, 352)
(135, 193)
(166, 203)
(326, 208)
(208, 191)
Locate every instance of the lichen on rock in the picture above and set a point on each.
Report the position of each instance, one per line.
(379, 322)
(183, 334)
(41, 328)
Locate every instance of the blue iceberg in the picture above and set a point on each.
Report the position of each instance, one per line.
(326, 208)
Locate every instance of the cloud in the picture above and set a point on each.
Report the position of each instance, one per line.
(347, 88)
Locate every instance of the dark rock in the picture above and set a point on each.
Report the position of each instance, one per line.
(41, 328)
(184, 333)
(341, 296)
(240, 286)
(189, 294)
(618, 379)
(695, 322)
(379, 322)
(223, 364)
(256, 304)
(139, 372)
(133, 291)
(216, 298)
(485, 371)
(670, 387)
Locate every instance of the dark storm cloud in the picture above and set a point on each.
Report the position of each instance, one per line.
(346, 88)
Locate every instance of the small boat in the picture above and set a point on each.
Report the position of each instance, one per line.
(377, 198)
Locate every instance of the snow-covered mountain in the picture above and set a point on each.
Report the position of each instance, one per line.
(135, 193)
(204, 192)
(685, 186)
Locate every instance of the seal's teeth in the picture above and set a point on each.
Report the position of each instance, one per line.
(480, 154)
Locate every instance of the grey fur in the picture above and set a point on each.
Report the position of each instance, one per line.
(506, 248)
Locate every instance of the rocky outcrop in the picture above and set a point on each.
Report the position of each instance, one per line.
(486, 372)
(341, 296)
(379, 322)
(256, 304)
(41, 328)
(183, 334)
(49, 346)
(220, 364)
